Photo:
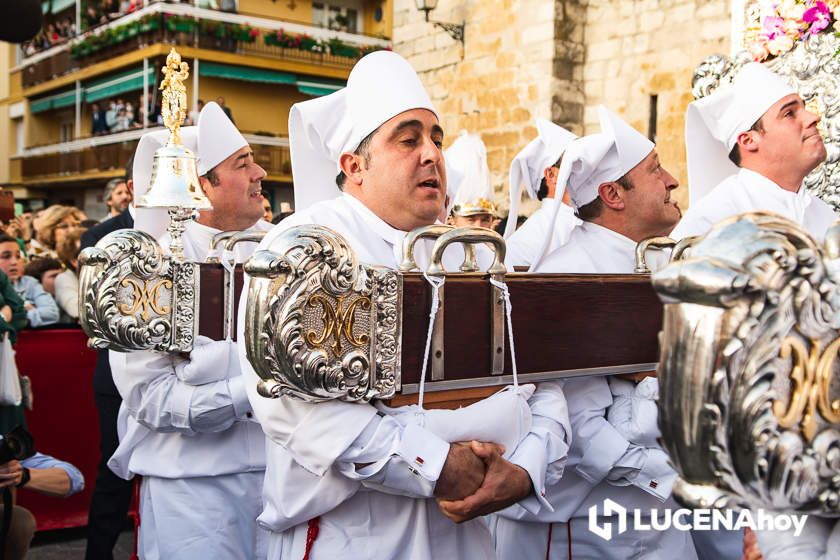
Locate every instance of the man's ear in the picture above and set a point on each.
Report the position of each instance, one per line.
(748, 141)
(352, 166)
(611, 194)
(130, 185)
(206, 186)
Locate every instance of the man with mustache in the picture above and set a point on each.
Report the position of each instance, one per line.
(185, 423)
(621, 192)
(749, 147)
(355, 480)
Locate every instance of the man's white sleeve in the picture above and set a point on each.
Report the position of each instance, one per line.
(156, 397)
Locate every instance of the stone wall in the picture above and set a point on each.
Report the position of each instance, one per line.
(559, 59)
(636, 49)
(505, 75)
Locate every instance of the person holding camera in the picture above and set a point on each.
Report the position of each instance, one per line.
(22, 467)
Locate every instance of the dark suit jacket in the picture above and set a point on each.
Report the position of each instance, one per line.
(102, 380)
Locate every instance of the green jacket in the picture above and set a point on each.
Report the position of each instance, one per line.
(8, 296)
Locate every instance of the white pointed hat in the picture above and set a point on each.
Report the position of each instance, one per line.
(218, 137)
(527, 168)
(472, 193)
(713, 124)
(381, 86)
(595, 159)
(154, 221)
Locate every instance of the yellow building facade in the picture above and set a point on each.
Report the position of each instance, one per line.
(60, 97)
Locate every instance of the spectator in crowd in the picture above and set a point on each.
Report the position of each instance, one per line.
(51, 227)
(67, 283)
(97, 117)
(43, 474)
(45, 271)
(221, 101)
(12, 320)
(268, 213)
(20, 227)
(116, 197)
(40, 306)
(111, 494)
(193, 118)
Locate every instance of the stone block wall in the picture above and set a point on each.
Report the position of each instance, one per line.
(559, 59)
(636, 49)
(504, 76)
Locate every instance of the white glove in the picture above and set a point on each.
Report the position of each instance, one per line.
(209, 361)
(634, 413)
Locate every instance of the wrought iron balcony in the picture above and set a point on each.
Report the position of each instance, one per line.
(186, 25)
(101, 154)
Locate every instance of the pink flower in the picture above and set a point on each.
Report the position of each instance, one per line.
(819, 16)
(773, 27)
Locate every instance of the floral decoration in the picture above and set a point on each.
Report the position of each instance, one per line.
(775, 26)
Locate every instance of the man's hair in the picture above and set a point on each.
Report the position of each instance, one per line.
(213, 177)
(362, 150)
(110, 186)
(37, 267)
(543, 192)
(735, 153)
(592, 210)
(6, 238)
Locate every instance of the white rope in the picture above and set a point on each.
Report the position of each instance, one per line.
(228, 260)
(508, 308)
(436, 284)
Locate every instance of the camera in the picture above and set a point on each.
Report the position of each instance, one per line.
(17, 444)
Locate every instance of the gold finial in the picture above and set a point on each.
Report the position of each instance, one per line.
(174, 102)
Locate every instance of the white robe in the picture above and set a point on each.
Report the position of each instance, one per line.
(191, 434)
(384, 510)
(524, 244)
(748, 191)
(602, 463)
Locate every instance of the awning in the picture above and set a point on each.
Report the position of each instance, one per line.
(115, 85)
(317, 88)
(244, 73)
(65, 98)
(57, 5)
(308, 85)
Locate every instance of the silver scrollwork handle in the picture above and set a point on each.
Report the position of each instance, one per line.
(832, 241)
(469, 236)
(651, 243)
(433, 231)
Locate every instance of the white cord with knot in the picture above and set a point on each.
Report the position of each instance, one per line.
(437, 283)
(228, 260)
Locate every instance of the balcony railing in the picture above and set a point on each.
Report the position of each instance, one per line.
(186, 25)
(107, 153)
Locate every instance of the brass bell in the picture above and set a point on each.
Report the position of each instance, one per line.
(174, 182)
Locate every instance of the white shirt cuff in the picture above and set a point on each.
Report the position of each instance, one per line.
(605, 448)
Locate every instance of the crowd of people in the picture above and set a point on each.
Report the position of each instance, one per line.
(61, 28)
(117, 115)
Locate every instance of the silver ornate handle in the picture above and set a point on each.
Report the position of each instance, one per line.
(469, 236)
(682, 247)
(433, 231)
(243, 237)
(645, 245)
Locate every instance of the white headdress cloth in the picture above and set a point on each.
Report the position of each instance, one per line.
(526, 170)
(466, 159)
(381, 86)
(218, 137)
